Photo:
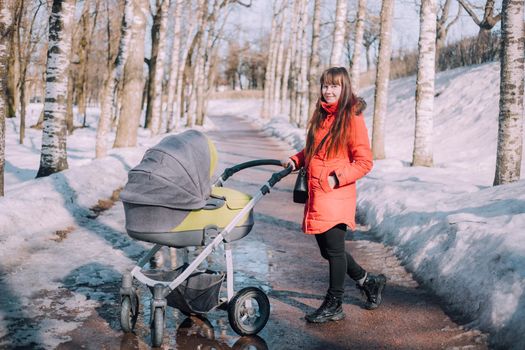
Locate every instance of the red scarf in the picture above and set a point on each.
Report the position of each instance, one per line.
(330, 109)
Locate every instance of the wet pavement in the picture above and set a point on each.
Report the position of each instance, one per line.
(278, 258)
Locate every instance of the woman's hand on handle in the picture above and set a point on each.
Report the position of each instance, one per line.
(288, 163)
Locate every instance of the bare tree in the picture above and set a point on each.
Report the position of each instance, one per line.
(269, 79)
(133, 82)
(192, 64)
(156, 110)
(174, 67)
(510, 134)
(336, 56)
(25, 46)
(280, 59)
(292, 65)
(370, 36)
(358, 42)
(422, 155)
(88, 25)
(315, 62)
(113, 77)
(288, 70)
(382, 79)
(199, 75)
(13, 66)
(154, 84)
(488, 21)
(302, 80)
(53, 156)
(444, 23)
(6, 25)
(185, 64)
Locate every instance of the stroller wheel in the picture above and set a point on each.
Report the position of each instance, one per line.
(128, 315)
(248, 311)
(157, 327)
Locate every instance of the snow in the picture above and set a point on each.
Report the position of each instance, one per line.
(456, 233)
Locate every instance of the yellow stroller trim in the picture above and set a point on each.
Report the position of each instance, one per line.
(220, 217)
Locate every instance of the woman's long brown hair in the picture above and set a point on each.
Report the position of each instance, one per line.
(349, 104)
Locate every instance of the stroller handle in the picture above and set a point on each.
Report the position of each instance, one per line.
(228, 172)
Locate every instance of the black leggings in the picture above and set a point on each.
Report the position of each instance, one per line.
(332, 247)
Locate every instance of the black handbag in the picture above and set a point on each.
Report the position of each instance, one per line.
(300, 190)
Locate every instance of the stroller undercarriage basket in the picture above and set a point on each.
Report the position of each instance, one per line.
(198, 294)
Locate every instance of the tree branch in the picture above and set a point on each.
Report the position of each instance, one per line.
(470, 12)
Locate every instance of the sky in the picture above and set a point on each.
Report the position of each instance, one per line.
(453, 231)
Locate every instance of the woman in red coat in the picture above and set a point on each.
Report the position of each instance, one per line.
(336, 155)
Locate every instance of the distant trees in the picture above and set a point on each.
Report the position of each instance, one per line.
(510, 129)
(53, 156)
(172, 88)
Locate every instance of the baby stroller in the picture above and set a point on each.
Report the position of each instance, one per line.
(170, 200)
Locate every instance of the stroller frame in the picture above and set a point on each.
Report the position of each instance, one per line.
(161, 289)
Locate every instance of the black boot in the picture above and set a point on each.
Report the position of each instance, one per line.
(372, 288)
(330, 310)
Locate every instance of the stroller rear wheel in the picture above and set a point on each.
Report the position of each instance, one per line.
(128, 314)
(248, 311)
(157, 327)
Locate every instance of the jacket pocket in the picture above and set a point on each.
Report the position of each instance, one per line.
(323, 180)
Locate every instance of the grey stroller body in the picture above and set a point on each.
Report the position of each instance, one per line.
(170, 200)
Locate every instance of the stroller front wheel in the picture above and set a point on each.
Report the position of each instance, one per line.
(157, 327)
(128, 315)
(248, 311)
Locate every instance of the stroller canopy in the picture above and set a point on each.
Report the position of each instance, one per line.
(176, 173)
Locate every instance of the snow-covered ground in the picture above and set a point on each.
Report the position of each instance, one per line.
(459, 235)
(456, 233)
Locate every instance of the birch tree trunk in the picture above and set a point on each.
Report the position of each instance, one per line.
(12, 78)
(279, 60)
(286, 85)
(382, 79)
(195, 68)
(184, 66)
(114, 75)
(86, 42)
(358, 43)
(133, 83)
(313, 73)
(302, 95)
(6, 22)
(199, 80)
(53, 156)
(152, 71)
(270, 69)
(156, 110)
(294, 68)
(175, 63)
(423, 155)
(336, 56)
(510, 134)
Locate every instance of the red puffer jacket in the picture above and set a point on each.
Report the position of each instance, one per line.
(327, 207)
